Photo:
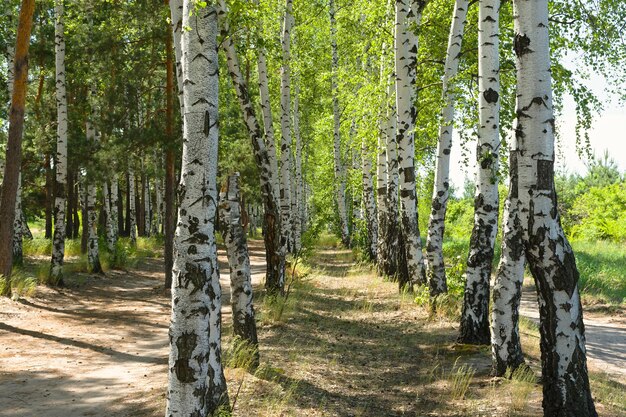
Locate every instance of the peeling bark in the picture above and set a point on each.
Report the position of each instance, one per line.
(435, 267)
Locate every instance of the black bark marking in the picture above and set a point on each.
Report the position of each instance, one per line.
(194, 275)
(409, 174)
(491, 95)
(207, 123)
(545, 175)
(185, 344)
(521, 45)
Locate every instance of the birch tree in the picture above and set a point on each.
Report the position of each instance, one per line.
(285, 129)
(436, 270)
(132, 210)
(340, 170)
(475, 316)
(244, 324)
(539, 234)
(60, 160)
(275, 243)
(406, 46)
(93, 252)
(196, 384)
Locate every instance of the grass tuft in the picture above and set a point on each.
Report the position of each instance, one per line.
(241, 354)
(460, 379)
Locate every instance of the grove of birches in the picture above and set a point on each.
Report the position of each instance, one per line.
(206, 123)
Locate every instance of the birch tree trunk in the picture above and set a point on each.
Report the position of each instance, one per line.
(275, 243)
(406, 47)
(393, 232)
(551, 260)
(93, 253)
(268, 124)
(285, 129)
(109, 217)
(147, 216)
(114, 209)
(340, 170)
(382, 253)
(369, 201)
(475, 316)
(18, 226)
(244, 324)
(60, 160)
(506, 346)
(131, 204)
(436, 270)
(196, 384)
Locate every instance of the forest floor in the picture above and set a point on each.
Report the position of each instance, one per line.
(344, 344)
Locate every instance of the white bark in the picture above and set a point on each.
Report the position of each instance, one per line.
(244, 324)
(132, 209)
(393, 232)
(340, 170)
(548, 253)
(18, 226)
(381, 196)
(93, 254)
(436, 270)
(475, 316)
(60, 159)
(268, 124)
(114, 211)
(110, 220)
(285, 129)
(196, 384)
(369, 200)
(406, 47)
(147, 209)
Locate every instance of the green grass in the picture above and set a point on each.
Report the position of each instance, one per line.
(601, 264)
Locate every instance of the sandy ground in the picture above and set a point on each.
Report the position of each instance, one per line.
(605, 337)
(96, 348)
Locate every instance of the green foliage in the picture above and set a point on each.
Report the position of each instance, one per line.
(22, 285)
(602, 214)
(241, 354)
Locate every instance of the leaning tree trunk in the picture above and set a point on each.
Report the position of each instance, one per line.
(60, 159)
(274, 246)
(285, 129)
(244, 324)
(506, 346)
(13, 154)
(548, 253)
(436, 270)
(406, 47)
(196, 383)
(474, 327)
(340, 170)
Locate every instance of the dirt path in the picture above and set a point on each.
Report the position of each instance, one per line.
(96, 348)
(347, 345)
(605, 336)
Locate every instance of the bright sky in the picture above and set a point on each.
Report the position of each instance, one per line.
(608, 132)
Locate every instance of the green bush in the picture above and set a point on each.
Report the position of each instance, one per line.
(601, 214)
